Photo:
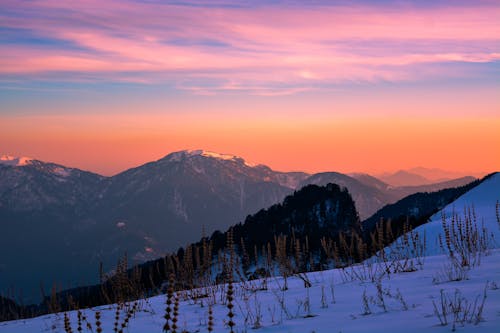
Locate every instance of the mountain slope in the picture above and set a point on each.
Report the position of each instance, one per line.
(42, 209)
(76, 219)
(334, 304)
(167, 203)
(415, 209)
(439, 175)
(481, 200)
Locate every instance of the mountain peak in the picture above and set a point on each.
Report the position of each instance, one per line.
(15, 161)
(180, 155)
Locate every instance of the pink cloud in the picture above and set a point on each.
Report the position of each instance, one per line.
(247, 48)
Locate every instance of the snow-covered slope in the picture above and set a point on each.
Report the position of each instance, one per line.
(481, 200)
(334, 303)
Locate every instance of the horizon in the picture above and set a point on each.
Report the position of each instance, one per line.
(452, 173)
(351, 87)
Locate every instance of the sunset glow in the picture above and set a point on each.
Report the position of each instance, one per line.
(327, 85)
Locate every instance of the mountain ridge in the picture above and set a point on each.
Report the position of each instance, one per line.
(87, 219)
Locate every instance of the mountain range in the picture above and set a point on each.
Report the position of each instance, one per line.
(422, 176)
(421, 281)
(76, 220)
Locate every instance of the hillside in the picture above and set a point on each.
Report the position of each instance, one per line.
(479, 205)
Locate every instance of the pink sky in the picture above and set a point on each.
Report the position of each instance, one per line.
(330, 86)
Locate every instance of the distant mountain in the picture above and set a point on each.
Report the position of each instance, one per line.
(423, 176)
(417, 208)
(404, 178)
(167, 203)
(61, 223)
(481, 201)
(42, 211)
(370, 194)
(403, 191)
(370, 181)
(440, 175)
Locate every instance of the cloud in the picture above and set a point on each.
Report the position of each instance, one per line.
(266, 48)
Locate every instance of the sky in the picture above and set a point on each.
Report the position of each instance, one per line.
(349, 86)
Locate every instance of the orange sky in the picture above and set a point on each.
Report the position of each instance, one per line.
(109, 144)
(364, 86)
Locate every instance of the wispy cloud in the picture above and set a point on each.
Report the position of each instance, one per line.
(263, 49)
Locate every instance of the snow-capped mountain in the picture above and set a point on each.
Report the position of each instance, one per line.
(170, 202)
(32, 185)
(75, 219)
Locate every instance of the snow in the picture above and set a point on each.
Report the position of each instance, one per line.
(178, 156)
(62, 172)
(345, 313)
(14, 161)
(482, 199)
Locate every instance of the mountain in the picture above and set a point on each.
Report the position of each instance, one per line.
(404, 178)
(370, 181)
(402, 191)
(300, 224)
(470, 212)
(439, 175)
(368, 198)
(423, 176)
(76, 220)
(42, 210)
(167, 203)
(482, 203)
(300, 221)
(370, 194)
(35, 186)
(416, 208)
